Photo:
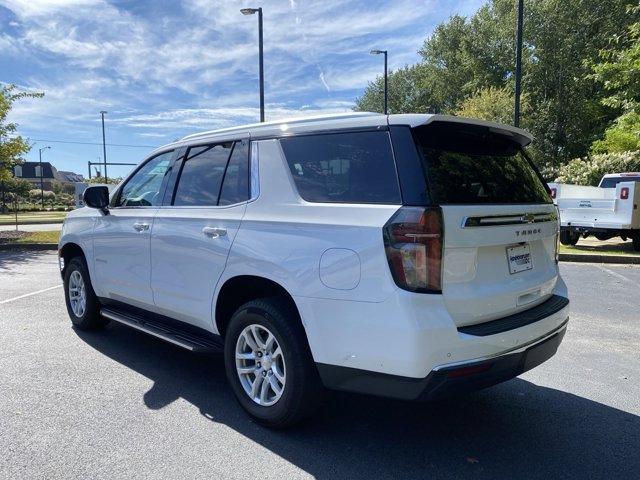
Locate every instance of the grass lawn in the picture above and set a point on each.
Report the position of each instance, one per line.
(29, 237)
(595, 247)
(33, 218)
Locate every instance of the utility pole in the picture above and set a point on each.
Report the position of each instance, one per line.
(104, 146)
(516, 107)
(41, 181)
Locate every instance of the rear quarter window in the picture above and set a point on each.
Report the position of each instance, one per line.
(354, 167)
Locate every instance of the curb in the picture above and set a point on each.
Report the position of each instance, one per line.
(590, 258)
(28, 246)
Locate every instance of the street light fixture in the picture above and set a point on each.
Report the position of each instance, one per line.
(104, 146)
(40, 150)
(383, 52)
(251, 11)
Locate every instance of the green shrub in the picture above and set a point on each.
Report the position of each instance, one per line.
(589, 170)
(623, 135)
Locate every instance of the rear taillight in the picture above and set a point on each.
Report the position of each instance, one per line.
(553, 193)
(624, 193)
(413, 243)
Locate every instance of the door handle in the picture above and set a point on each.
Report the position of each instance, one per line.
(140, 227)
(214, 232)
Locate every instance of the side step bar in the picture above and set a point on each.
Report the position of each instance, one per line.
(176, 336)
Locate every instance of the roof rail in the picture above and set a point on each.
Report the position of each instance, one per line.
(289, 121)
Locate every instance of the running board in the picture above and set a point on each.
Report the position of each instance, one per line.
(176, 336)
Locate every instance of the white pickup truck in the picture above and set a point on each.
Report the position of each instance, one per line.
(606, 211)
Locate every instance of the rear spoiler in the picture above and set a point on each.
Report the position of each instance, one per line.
(522, 137)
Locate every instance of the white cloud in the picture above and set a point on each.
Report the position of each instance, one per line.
(213, 44)
(324, 82)
(190, 119)
(195, 64)
(43, 8)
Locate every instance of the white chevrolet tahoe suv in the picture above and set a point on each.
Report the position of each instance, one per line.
(408, 256)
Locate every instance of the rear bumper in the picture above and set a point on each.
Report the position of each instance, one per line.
(592, 228)
(449, 379)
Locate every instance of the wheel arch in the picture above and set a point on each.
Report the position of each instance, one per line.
(241, 289)
(70, 250)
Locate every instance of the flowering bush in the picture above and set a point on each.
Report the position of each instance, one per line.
(589, 170)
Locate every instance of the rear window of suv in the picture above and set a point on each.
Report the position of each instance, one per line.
(465, 164)
(353, 167)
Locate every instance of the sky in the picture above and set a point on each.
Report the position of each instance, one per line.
(166, 69)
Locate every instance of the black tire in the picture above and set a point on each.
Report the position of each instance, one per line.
(91, 318)
(636, 241)
(303, 391)
(568, 238)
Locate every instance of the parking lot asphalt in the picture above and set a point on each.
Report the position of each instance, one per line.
(119, 404)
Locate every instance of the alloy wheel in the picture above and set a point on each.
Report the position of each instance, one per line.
(260, 365)
(77, 294)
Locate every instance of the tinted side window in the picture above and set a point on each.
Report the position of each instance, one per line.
(143, 189)
(235, 187)
(201, 176)
(355, 167)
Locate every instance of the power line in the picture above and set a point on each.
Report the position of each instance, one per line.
(92, 143)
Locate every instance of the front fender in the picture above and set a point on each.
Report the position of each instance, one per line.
(78, 230)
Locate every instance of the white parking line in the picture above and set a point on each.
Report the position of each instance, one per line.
(618, 275)
(29, 294)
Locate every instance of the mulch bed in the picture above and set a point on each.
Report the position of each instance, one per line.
(7, 236)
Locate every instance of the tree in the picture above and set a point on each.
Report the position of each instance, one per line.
(465, 56)
(11, 188)
(495, 104)
(110, 180)
(622, 136)
(12, 147)
(619, 74)
(405, 93)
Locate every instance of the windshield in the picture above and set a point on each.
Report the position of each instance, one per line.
(612, 182)
(467, 164)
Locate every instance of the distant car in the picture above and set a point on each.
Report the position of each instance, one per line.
(408, 256)
(606, 211)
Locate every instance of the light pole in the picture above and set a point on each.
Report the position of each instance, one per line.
(104, 146)
(251, 11)
(516, 107)
(379, 52)
(41, 181)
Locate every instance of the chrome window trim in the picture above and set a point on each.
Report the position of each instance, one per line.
(254, 172)
(200, 207)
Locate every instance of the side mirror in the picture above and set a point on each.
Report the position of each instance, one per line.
(97, 197)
